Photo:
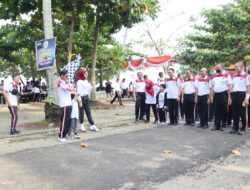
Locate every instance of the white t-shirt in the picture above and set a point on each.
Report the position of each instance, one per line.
(75, 110)
(160, 81)
(12, 98)
(123, 86)
(152, 99)
(203, 85)
(63, 94)
(1, 88)
(161, 99)
(188, 86)
(84, 88)
(140, 85)
(240, 82)
(220, 82)
(131, 87)
(173, 87)
(117, 87)
(36, 90)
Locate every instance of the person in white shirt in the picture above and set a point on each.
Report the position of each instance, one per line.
(118, 92)
(131, 88)
(188, 97)
(2, 99)
(74, 117)
(173, 85)
(240, 85)
(139, 97)
(161, 79)
(124, 88)
(84, 89)
(150, 101)
(221, 85)
(203, 86)
(161, 103)
(10, 94)
(36, 92)
(64, 93)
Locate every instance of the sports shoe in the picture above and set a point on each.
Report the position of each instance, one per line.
(63, 140)
(82, 128)
(241, 132)
(16, 131)
(76, 136)
(94, 128)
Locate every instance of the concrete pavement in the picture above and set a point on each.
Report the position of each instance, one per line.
(133, 160)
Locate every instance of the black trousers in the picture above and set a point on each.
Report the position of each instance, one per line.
(162, 114)
(65, 121)
(173, 110)
(211, 111)
(148, 111)
(117, 95)
(36, 97)
(220, 109)
(182, 109)
(196, 111)
(189, 107)
(14, 118)
(124, 93)
(85, 107)
(140, 105)
(2, 99)
(230, 114)
(203, 110)
(238, 110)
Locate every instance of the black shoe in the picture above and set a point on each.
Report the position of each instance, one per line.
(147, 121)
(17, 132)
(222, 129)
(155, 122)
(199, 126)
(12, 133)
(192, 124)
(204, 127)
(215, 129)
(229, 124)
(241, 132)
(233, 131)
(175, 124)
(170, 124)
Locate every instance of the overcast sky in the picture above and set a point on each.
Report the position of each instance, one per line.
(173, 22)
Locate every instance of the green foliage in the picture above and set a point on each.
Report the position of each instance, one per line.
(17, 39)
(50, 100)
(225, 36)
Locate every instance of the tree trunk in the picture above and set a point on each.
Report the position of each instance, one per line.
(94, 57)
(32, 68)
(101, 78)
(48, 33)
(71, 31)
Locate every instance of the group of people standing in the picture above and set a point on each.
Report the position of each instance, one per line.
(227, 92)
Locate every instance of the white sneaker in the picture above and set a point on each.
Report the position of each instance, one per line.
(82, 128)
(63, 140)
(76, 136)
(94, 128)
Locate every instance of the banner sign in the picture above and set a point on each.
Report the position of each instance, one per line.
(45, 54)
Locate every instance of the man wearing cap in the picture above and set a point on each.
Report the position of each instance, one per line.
(220, 96)
(240, 99)
(231, 71)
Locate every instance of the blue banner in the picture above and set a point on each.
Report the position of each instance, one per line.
(45, 54)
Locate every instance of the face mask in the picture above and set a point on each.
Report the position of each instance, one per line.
(218, 71)
(248, 71)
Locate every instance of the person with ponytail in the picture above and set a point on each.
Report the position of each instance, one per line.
(83, 91)
(151, 92)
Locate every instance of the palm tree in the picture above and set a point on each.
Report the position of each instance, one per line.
(48, 33)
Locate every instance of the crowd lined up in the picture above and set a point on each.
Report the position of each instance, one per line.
(197, 98)
(225, 95)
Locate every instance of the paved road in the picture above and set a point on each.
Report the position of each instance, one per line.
(133, 160)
